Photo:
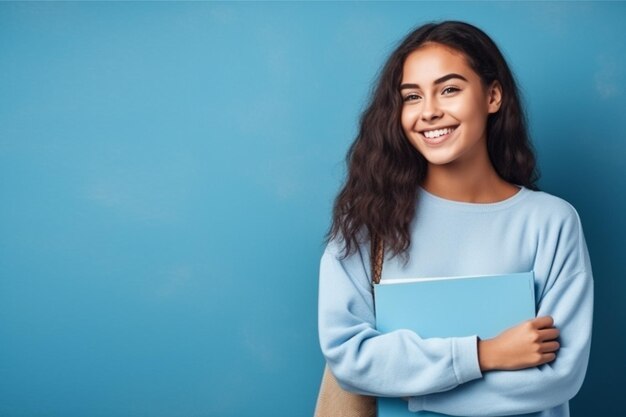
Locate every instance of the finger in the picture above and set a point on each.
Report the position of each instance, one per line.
(543, 322)
(549, 334)
(548, 357)
(549, 347)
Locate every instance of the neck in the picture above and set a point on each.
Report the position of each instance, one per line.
(475, 185)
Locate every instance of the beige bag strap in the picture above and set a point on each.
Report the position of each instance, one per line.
(332, 400)
(377, 257)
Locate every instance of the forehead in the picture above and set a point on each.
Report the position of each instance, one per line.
(432, 60)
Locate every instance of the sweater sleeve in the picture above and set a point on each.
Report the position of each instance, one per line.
(569, 300)
(366, 361)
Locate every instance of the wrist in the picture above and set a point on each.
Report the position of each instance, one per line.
(486, 355)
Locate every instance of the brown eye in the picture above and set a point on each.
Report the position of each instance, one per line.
(450, 90)
(411, 97)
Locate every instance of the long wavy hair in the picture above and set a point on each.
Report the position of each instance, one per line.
(384, 170)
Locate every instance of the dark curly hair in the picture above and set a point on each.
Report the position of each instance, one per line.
(384, 170)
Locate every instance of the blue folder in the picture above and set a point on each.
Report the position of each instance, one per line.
(484, 305)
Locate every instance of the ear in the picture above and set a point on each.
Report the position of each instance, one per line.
(494, 97)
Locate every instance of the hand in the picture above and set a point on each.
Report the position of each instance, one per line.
(529, 344)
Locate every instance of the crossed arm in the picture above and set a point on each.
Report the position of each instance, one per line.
(443, 374)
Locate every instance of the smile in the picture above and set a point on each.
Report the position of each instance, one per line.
(437, 136)
(433, 134)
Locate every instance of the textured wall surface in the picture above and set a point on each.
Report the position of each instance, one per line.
(167, 172)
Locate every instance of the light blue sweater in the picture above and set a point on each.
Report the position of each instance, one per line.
(531, 230)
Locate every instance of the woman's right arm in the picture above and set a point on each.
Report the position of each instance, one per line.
(365, 361)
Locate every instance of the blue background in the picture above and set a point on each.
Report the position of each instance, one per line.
(167, 172)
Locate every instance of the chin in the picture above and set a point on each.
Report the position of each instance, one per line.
(441, 160)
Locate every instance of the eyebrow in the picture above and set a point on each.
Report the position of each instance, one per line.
(437, 81)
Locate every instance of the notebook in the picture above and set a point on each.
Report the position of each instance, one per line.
(484, 305)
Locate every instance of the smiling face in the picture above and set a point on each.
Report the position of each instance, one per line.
(445, 106)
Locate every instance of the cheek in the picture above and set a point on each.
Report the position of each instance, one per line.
(407, 119)
(458, 109)
(470, 110)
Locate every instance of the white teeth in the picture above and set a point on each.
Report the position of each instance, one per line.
(431, 134)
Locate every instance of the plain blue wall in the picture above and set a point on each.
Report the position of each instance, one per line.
(167, 172)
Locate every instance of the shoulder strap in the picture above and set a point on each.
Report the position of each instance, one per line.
(377, 256)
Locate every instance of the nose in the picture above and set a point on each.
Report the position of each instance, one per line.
(431, 110)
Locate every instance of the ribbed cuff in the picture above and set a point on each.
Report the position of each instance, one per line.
(465, 358)
(416, 404)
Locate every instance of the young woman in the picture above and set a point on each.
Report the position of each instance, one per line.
(443, 173)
